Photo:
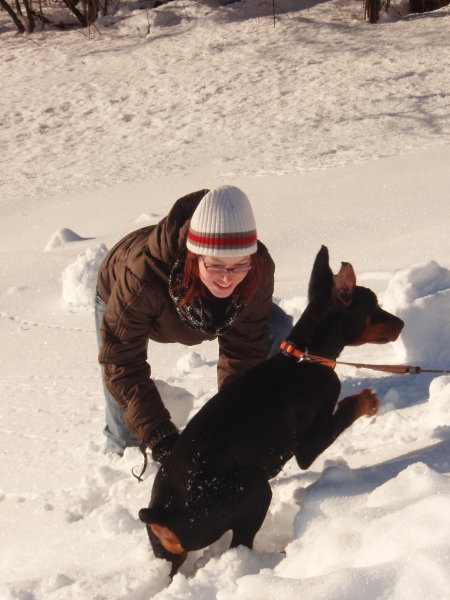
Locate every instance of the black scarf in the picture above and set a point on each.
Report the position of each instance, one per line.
(196, 313)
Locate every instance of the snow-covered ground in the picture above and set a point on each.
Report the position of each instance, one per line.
(339, 132)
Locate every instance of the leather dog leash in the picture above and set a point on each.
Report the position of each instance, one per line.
(288, 348)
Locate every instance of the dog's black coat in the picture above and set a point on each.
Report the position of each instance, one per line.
(217, 476)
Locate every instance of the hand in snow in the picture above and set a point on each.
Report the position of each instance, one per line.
(162, 450)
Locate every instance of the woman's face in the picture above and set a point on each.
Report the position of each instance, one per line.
(216, 275)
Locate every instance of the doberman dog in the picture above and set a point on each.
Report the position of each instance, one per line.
(217, 477)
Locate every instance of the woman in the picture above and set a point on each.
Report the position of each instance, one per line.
(199, 274)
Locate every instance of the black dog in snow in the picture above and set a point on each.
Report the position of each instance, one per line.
(217, 477)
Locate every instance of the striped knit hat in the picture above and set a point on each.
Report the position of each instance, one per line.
(223, 224)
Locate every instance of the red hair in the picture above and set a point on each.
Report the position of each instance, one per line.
(196, 289)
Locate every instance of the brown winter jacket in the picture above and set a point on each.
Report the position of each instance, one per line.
(133, 280)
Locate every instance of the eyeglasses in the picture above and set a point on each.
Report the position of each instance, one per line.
(220, 270)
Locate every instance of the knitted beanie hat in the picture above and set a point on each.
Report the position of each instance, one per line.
(223, 224)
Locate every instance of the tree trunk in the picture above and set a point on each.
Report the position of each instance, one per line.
(91, 10)
(18, 23)
(29, 15)
(372, 10)
(79, 15)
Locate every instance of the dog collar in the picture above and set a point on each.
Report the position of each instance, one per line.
(289, 349)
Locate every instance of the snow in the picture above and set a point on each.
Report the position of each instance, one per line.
(421, 295)
(339, 134)
(79, 279)
(61, 237)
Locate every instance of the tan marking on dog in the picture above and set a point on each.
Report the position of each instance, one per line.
(168, 539)
(381, 333)
(364, 404)
(368, 403)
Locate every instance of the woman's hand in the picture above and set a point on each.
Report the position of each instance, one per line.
(162, 450)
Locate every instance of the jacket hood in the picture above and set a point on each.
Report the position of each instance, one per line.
(167, 240)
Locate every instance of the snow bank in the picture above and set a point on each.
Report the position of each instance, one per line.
(420, 296)
(438, 408)
(350, 526)
(189, 361)
(220, 577)
(147, 219)
(178, 401)
(79, 279)
(62, 237)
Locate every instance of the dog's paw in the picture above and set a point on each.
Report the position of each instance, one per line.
(368, 403)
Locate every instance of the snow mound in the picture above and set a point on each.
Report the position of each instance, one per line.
(420, 296)
(440, 392)
(189, 361)
(179, 402)
(412, 484)
(337, 530)
(438, 413)
(293, 306)
(16, 289)
(117, 519)
(55, 583)
(221, 575)
(79, 279)
(147, 219)
(62, 237)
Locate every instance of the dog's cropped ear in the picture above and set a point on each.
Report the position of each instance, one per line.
(344, 284)
(321, 280)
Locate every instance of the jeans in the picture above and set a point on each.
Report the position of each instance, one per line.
(118, 437)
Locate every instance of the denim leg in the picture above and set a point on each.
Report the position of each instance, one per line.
(118, 437)
(280, 326)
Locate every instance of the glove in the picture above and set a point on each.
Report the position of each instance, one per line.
(162, 450)
(161, 440)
